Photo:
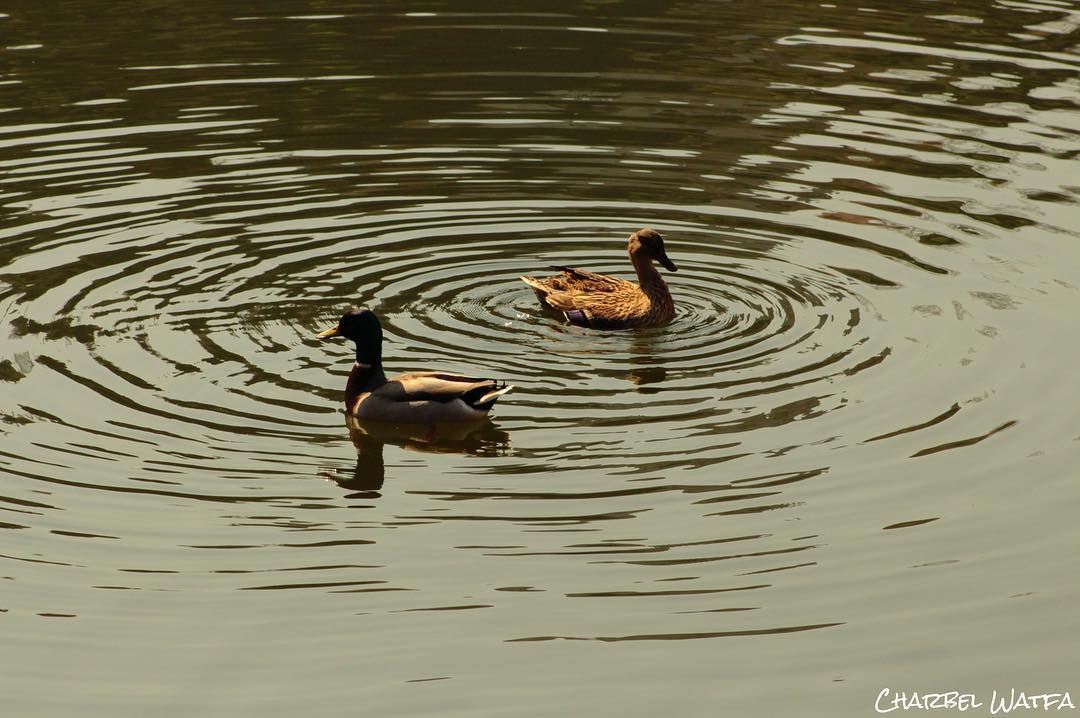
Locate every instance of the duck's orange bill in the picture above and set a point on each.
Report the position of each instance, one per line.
(331, 332)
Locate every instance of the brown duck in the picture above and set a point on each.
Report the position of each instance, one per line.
(588, 299)
(423, 397)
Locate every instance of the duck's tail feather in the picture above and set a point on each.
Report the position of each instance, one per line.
(488, 400)
(534, 283)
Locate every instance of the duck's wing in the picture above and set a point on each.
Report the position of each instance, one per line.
(574, 280)
(442, 387)
(573, 299)
(585, 280)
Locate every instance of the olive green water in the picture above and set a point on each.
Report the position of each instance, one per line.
(848, 465)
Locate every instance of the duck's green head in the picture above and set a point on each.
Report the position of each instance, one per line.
(361, 326)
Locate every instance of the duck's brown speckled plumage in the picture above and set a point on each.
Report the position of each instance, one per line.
(597, 300)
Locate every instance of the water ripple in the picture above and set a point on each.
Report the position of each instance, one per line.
(873, 212)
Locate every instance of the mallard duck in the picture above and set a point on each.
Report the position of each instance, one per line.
(425, 397)
(588, 299)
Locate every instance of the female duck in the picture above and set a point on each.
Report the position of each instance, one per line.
(426, 397)
(587, 299)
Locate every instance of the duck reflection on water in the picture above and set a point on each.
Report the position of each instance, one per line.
(369, 437)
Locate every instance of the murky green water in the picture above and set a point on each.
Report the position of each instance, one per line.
(848, 465)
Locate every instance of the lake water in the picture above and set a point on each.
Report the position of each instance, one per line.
(849, 464)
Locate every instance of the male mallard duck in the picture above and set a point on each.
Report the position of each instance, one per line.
(424, 397)
(587, 299)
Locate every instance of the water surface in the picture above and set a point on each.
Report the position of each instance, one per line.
(848, 464)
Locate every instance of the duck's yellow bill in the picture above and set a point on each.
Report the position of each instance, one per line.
(331, 332)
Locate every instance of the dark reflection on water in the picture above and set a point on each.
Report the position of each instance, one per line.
(681, 636)
(369, 438)
(873, 208)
